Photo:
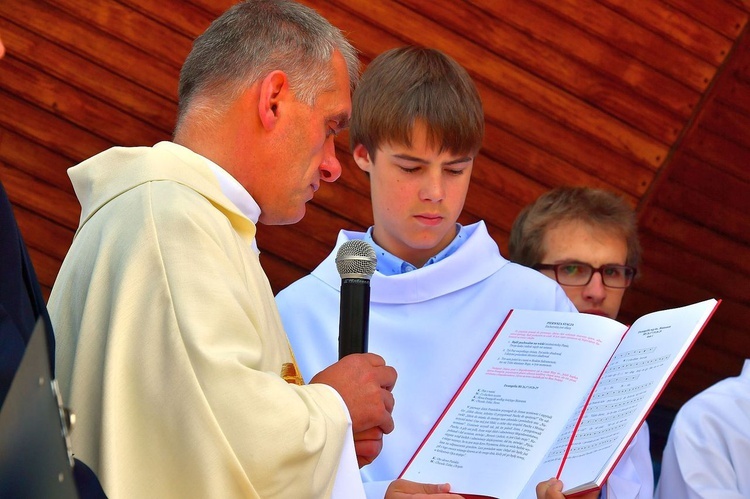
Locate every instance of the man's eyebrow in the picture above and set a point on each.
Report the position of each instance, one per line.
(341, 119)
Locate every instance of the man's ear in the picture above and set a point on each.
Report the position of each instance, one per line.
(362, 158)
(274, 88)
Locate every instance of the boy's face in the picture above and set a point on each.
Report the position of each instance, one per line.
(579, 242)
(417, 195)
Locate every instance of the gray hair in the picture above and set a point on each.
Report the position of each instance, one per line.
(252, 39)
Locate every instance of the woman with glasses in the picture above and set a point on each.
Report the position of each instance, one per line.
(587, 240)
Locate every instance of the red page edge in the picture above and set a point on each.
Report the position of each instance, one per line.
(614, 465)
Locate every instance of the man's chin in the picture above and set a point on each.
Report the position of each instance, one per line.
(282, 219)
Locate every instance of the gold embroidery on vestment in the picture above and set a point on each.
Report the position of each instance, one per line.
(291, 374)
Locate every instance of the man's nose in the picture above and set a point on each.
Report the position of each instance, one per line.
(330, 168)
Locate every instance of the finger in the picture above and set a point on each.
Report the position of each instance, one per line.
(436, 488)
(387, 425)
(374, 359)
(368, 449)
(543, 487)
(373, 433)
(389, 401)
(387, 377)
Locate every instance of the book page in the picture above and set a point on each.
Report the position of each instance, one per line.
(639, 370)
(515, 402)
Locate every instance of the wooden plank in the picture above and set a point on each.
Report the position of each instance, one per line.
(49, 57)
(743, 4)
(678, 290)
(735, 92)
(722, 153)
(526, 88)
(181, 16)
(718, 337)
(567, 38)
(721, 16)
(41, 197)
(538, 137)
(86, 111)
(285, 241)
(281, 273)
(587, 83)
(35, 160)
(101, 48)
(351, 204)
(506, 182)
(698, 208)
(716, 184)
(485, 204)
(724, 120)
(49, 130)
(548, 135)
(713, 359)
(551, 170)
(653, 49)
(323, 225)
(700, 272)
(42, 234)
(691, 379)
(215, 7)
(696, 239)
(131, 27)
(687, 32)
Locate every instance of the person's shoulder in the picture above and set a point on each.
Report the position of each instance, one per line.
(300, 289)
(529, 275)
(715, 401)
(323, 277)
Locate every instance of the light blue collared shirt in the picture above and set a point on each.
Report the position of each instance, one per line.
(390, 264)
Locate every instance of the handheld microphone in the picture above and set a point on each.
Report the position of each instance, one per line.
(355, 262)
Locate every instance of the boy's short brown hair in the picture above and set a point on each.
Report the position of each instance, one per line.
(408, 84)
(596, 207)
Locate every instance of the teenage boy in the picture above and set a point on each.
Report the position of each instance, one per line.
(440, 289)
(587, 240)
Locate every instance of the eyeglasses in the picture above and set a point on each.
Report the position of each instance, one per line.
(580, 274)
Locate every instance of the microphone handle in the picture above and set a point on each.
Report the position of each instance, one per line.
(354, 316)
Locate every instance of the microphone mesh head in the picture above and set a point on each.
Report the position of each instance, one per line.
(356, 259)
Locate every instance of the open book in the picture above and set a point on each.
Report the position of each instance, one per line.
(555, 394)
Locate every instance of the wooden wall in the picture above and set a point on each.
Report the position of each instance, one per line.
(648, 98)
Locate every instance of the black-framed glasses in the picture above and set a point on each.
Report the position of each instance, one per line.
(580, 274)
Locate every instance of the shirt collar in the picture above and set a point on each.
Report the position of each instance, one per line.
(237, 195)
(390, 264)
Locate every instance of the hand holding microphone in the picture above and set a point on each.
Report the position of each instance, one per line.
(363, 381)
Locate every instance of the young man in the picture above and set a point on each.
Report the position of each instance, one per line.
(707, 454)
(169, 338)
(440, 290)
(587, 240)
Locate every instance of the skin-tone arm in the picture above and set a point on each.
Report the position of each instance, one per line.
(552, 489)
